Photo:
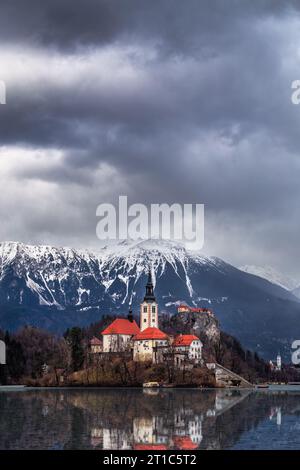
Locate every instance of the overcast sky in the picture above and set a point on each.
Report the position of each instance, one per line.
(165, 101)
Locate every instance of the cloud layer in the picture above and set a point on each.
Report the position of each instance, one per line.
(163, 101)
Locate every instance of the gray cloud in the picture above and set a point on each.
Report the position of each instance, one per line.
(173, 25)
(157, 100)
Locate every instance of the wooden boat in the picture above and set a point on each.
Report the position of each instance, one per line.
(151, 385)
(262, 386)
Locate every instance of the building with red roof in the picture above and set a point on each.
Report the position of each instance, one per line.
(118, 335)
(121, 326)
(186, 309)
(150, 345)
(187, 349)
(95, 345)
(184, 340)
(150, 333)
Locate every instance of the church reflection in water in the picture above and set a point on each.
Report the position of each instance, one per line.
(173, 427)
(186, 419)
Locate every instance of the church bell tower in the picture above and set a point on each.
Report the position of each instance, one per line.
(149, 307)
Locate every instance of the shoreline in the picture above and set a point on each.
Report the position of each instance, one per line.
(20, 388)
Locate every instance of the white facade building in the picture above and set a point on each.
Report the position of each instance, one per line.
(150, 345)
(117, 337)
(187, 348)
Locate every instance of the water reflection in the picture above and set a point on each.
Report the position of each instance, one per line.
(150, 419)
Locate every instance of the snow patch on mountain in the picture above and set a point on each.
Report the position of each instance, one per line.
(296, 292)
(61, 287)
(52, 273)
(271, 275)
(35, 287)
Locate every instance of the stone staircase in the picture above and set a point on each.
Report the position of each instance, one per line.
(227, 378)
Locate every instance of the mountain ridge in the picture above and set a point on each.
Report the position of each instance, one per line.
(271, 275)
(55, 287)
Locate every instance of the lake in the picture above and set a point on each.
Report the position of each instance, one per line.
(150, 419)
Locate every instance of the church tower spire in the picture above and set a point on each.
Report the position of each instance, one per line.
(149, 307)
(149, 297)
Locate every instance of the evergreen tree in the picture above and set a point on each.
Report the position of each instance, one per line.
(14, 357)
(74, 338)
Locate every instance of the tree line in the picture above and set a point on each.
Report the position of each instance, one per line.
(32, 352)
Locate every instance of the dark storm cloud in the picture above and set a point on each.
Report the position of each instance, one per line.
(164, 101)
(176, 25)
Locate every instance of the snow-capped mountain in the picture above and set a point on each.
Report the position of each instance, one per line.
(272, 275)
(296, 292)
(55, 288)
(62, 277)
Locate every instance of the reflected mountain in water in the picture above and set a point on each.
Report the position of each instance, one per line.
(148, 419)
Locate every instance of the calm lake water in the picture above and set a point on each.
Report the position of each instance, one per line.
(150, 419)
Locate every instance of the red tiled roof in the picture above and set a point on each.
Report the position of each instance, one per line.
(121, 326)
(184, 340)
(184, 443)
(150, 447)
(95, 342)
(150, 333)
(194, 309)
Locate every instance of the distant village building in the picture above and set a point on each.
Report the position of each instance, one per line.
(117, 337)
(96, 345)
(187, 348)
(276, 366)
(278, 362)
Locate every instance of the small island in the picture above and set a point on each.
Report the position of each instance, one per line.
(183, 350)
